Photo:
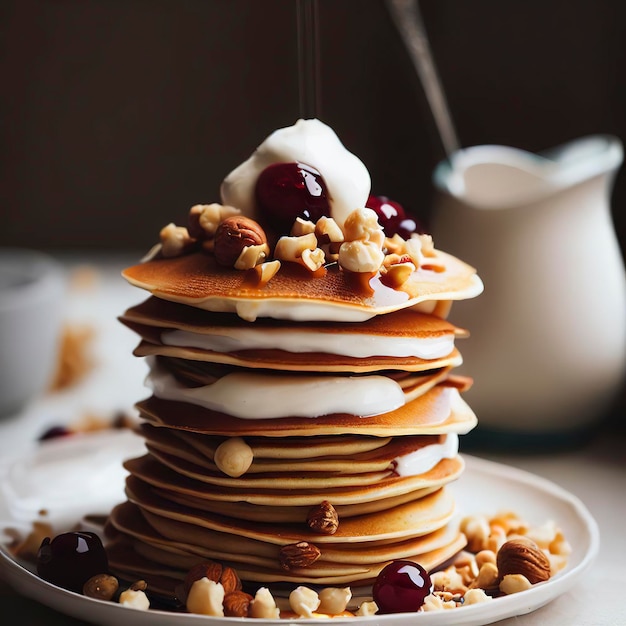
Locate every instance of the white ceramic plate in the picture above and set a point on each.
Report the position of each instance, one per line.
(484, 488)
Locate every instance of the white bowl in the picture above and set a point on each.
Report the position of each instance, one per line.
(32, 287)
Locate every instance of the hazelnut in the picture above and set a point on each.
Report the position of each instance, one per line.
(101, 586)
(233, 457)
(334, 600)
(204, 219)
(523, 556)
(233, 235)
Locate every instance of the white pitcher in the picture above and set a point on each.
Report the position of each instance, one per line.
(547, 345)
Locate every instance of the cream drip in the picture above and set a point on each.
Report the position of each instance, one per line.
(345, 344)
(426, 458)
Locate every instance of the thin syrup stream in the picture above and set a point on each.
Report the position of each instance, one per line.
(408, 20)
(308, 58)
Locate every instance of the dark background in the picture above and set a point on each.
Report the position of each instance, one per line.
(117, 115)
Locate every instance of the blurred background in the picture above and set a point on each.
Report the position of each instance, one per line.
(116, 116)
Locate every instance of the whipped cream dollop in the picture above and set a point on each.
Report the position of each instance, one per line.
(345, 344)
(310, 142)
(267, 396)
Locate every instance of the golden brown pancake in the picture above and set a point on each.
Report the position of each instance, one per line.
(147, 469)
(414, 418)
(197, 280)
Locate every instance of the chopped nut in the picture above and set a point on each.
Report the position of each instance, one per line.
(360, 256)
(206, 597)
(313, 259)
(448, 580)
(396, 275)
(362, 225)
(267, 271)
(514, 583)
(233, 235)
(204, 219)
(485, 556)
(334, 600)
(233, 457)
(175, 240)
(477, 530)
(237, 604)
(291, 248)
(263, 605)
(367, 608)
(136, 599)
(304, 601)
(302, 227)
(487, 577)
(251, 256)
(475, 596)
(323, 518)
(101, 586)
(328, 231)
(298, 555)
(523, 556)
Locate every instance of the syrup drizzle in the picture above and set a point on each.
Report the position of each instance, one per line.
(307, 15)
(408, 20)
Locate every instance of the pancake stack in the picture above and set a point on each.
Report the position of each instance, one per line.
(302, 429)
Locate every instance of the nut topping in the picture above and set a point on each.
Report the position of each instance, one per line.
(523, 556)
(323, 518)
(216, 572)
(298, 555)
(233, 235)
(237, 604)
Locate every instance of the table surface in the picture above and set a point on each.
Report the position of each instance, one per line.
(595, 470)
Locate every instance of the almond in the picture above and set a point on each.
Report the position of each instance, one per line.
(523, 556)
(213, 571)
(298, 555)
(323, 518)
(237, 604)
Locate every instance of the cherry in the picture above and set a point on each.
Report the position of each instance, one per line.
(392, 216)
(285, 191)
(401, 587)
(71, 559)
(54, 432)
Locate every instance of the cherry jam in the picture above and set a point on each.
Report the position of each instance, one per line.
(392, 216)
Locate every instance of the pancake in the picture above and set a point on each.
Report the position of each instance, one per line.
(196, 279)
(350, 461)
(440, 410)
(147, 469)
(155, 325)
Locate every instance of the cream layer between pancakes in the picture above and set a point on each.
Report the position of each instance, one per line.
(251, 395)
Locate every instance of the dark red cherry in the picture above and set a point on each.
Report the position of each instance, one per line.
(285, 191)
(401, 587)
(392, 216)
(54, 432)
(70, 559)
